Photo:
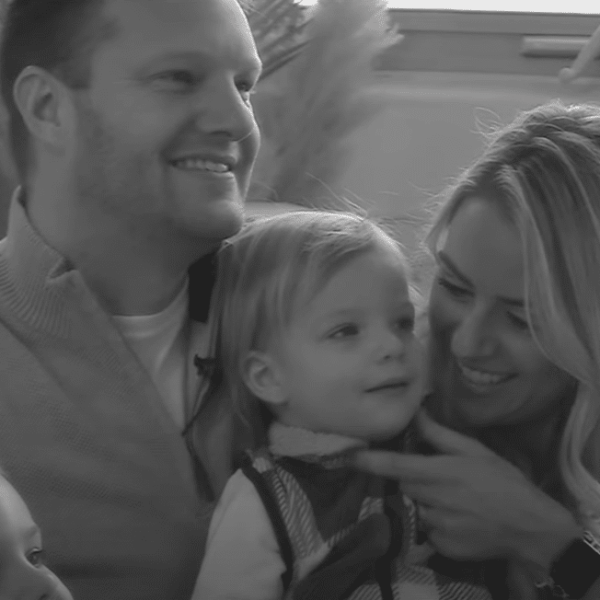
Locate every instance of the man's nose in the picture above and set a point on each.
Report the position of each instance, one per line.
(224, 111)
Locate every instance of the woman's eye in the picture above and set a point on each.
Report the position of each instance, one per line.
(518, 322)
(36, 557)
(453, 289)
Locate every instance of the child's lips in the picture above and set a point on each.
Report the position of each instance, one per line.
(390, 384)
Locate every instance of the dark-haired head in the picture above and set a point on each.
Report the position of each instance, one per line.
(58, 36)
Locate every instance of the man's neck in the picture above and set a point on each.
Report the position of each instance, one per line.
(130, 273)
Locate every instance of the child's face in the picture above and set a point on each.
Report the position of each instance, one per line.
(349, 362)
(22, 573)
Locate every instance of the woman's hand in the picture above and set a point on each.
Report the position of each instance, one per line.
(474, 504)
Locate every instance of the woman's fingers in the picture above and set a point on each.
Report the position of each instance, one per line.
(400, 466)
(438, 495)
(447, 440)
(450, 443)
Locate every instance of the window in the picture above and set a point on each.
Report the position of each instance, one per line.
(537, 6)
(522, 37)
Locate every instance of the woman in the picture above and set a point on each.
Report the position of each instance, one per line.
(514, 340)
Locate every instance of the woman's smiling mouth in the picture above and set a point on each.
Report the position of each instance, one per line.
(482, 380)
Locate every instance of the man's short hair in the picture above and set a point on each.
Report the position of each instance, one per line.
(59, 36)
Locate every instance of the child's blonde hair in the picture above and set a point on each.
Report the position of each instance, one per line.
(273, 267)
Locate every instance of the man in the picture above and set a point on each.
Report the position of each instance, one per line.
(134, 138)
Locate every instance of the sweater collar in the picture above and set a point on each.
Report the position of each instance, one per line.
(36, 278)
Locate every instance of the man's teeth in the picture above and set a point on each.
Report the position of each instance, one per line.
(197, 164)
(481, 377)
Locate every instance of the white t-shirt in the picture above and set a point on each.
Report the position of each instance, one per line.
(165, 344)
(243, 559)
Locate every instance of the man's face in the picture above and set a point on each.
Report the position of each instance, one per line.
(166, 136)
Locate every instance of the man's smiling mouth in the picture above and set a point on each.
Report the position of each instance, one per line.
(191, 164)
(212, 162)
(198, 164)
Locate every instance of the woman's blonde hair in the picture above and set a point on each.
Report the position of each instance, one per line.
(544, 173)
(273, 267)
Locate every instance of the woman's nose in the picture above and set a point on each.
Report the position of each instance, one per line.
(474, 335)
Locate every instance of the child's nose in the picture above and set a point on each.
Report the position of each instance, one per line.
(392, 345)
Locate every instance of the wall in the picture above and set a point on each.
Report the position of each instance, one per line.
(430, 130)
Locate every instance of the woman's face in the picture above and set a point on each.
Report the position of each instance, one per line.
(486, 368)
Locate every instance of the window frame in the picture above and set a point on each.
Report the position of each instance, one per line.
(486, 41)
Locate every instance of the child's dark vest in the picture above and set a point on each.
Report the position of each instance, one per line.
(344, 534)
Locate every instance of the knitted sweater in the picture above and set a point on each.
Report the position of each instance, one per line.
(87, 441)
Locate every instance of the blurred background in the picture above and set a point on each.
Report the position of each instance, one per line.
(456, 70)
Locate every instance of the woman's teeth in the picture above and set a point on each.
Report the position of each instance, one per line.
(482, 377)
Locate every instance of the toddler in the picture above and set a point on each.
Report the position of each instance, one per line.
(314, 329)
(23, 575)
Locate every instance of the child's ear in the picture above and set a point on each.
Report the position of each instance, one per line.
(263, 378)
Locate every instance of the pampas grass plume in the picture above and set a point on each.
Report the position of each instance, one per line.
(323, 100)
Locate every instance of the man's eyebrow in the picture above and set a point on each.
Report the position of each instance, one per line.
(252, 66)
(449, 264)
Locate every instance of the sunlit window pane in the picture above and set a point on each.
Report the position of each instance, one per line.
(538, 6)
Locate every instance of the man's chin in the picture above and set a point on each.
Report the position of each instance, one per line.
(221, 224)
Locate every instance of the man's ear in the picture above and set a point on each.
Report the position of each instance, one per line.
(44, 105)
(264, 379)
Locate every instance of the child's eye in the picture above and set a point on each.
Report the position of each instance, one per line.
(246, 90)
(406, 323)
(36, 557)
(344, 331)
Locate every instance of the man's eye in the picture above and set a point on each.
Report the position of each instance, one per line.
(178, 78)
(36, 557)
